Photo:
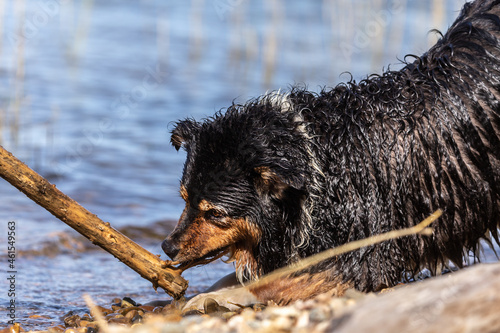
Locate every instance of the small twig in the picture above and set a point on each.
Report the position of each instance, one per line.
(96, 314)
(421, 228)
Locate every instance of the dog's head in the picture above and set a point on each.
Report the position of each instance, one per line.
(244, 185)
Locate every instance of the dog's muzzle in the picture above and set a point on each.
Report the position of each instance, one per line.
(169, 248)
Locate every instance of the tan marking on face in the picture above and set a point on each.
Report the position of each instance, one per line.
(184, 193)
(203, 237)
(205, 206)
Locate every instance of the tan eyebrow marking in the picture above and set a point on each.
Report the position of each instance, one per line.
(184, 193)
(205, 206)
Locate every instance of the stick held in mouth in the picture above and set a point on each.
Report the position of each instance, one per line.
(38, 189)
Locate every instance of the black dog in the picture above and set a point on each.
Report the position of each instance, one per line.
(289, 175)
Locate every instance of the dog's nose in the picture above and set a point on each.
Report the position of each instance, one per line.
(170, 249)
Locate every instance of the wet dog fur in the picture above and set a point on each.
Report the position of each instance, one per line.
(288, 175)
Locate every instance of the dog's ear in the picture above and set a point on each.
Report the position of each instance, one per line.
(183, 133)
(277, 183)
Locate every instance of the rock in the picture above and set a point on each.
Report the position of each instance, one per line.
(466, 300)
(76, 330)
(116, 306)
(131, 314)
(56, 329)
(127, 302)
(137, 319)
(133, 309)
(103, 310)
(72, 321)
(147, 308)
(86, 317)
(35, 316)
(130, 301)
(120, 320)
(114, 315)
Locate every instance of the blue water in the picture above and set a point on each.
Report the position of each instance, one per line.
(90, 90)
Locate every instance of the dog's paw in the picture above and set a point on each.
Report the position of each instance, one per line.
(231, 298)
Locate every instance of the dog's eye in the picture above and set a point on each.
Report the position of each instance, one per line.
(214, 214)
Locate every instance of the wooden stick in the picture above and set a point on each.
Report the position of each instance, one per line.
(38, 189)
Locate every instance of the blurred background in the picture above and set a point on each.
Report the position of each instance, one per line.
(90, 89)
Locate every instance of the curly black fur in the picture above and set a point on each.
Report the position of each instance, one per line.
(317, 170)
